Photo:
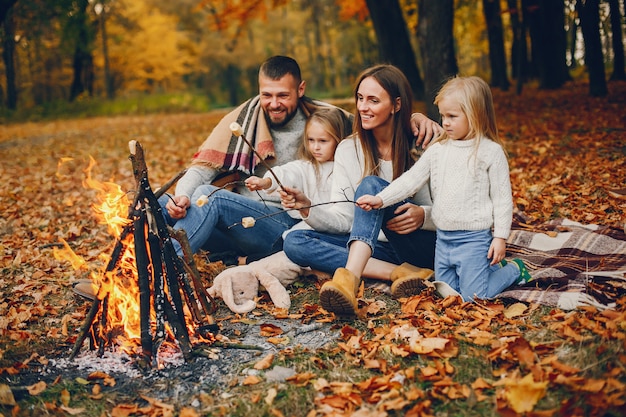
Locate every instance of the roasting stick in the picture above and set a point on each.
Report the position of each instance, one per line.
(238, 131)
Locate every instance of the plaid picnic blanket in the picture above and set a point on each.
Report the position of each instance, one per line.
(571, 264)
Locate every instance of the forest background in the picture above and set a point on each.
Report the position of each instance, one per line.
(76, 56)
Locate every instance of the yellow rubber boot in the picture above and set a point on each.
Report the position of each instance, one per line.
(339, 295)
(409, 280)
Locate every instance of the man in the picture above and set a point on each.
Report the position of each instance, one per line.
(274, 123)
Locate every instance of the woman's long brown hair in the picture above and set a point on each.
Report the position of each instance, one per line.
(395, 83)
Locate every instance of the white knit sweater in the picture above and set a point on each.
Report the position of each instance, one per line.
(348, 172)
(301, 174)
(471, 188)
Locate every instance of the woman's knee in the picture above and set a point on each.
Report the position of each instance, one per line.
(370, 185)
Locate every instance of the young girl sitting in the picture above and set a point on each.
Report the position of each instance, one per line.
(471, 190)
(312, 172)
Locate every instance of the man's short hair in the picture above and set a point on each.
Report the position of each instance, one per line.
(278, 66)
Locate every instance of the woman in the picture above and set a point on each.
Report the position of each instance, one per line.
(348, 240)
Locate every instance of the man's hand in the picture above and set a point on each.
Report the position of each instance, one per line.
(497, 250)
(424, 129)
(177, 206)
(409, 217)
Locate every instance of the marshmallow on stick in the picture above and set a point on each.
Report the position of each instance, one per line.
(238, 131)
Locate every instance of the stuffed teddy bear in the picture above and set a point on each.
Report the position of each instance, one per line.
(238, 286)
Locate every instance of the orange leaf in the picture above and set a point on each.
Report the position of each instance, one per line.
(265, 363)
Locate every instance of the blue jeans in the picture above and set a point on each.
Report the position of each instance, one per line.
(216, 226)
(461, 262)
(327, 252)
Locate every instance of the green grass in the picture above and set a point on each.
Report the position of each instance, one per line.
(136, 104)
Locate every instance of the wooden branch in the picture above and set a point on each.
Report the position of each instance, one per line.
(158, 286)
(158, 193)
(143, 282)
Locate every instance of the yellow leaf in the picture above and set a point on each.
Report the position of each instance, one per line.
(524, 393)
(271, 394)
(37, 388)
(428, 344)
(6, 395)
(515, 310)
(72, 411)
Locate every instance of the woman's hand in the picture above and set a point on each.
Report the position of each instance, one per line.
(424, 129)
(409, 217)
(177, 206)
(497, 250)
(368, 202)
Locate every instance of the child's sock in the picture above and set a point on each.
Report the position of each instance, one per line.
(524, 275)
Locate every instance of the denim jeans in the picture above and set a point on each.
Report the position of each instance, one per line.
(217, 225)
(327, 252)
(461, 262)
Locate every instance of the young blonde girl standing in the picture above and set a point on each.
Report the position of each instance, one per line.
(468, 173)
(312, 172)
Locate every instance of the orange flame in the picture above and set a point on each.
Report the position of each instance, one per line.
(120, 284)
(111, 208)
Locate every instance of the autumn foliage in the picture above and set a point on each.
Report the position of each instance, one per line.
(567, 155)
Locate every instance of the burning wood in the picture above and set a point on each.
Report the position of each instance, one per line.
(165, 293)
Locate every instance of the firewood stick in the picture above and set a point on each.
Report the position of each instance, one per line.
(156, 257)
(103, 337)
(238, 131)
(86, 327)
(189, 263)
(143, 282)
(161, 190)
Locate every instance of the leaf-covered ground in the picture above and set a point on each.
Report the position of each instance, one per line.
(423, 357)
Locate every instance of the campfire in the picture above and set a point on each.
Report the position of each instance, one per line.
(147, 294)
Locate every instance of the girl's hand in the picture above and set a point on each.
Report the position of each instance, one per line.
(177, 206)
(497, 250)
(368, 202)
(255, 183)
(409, 217)
(292, 198)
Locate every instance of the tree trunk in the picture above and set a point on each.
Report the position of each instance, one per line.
(5, 6)
(519, 60)
(497, 57)
(8, 54)
(108, 81)
(549, 40)
(617, 40)
(82, 53)
(588, 11)
(393, 41)
(436, 40)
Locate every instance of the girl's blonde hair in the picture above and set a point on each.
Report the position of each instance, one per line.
(395, 83)
(474, 97)
(333, 122)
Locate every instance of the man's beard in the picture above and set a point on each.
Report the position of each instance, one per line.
(282, 123)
